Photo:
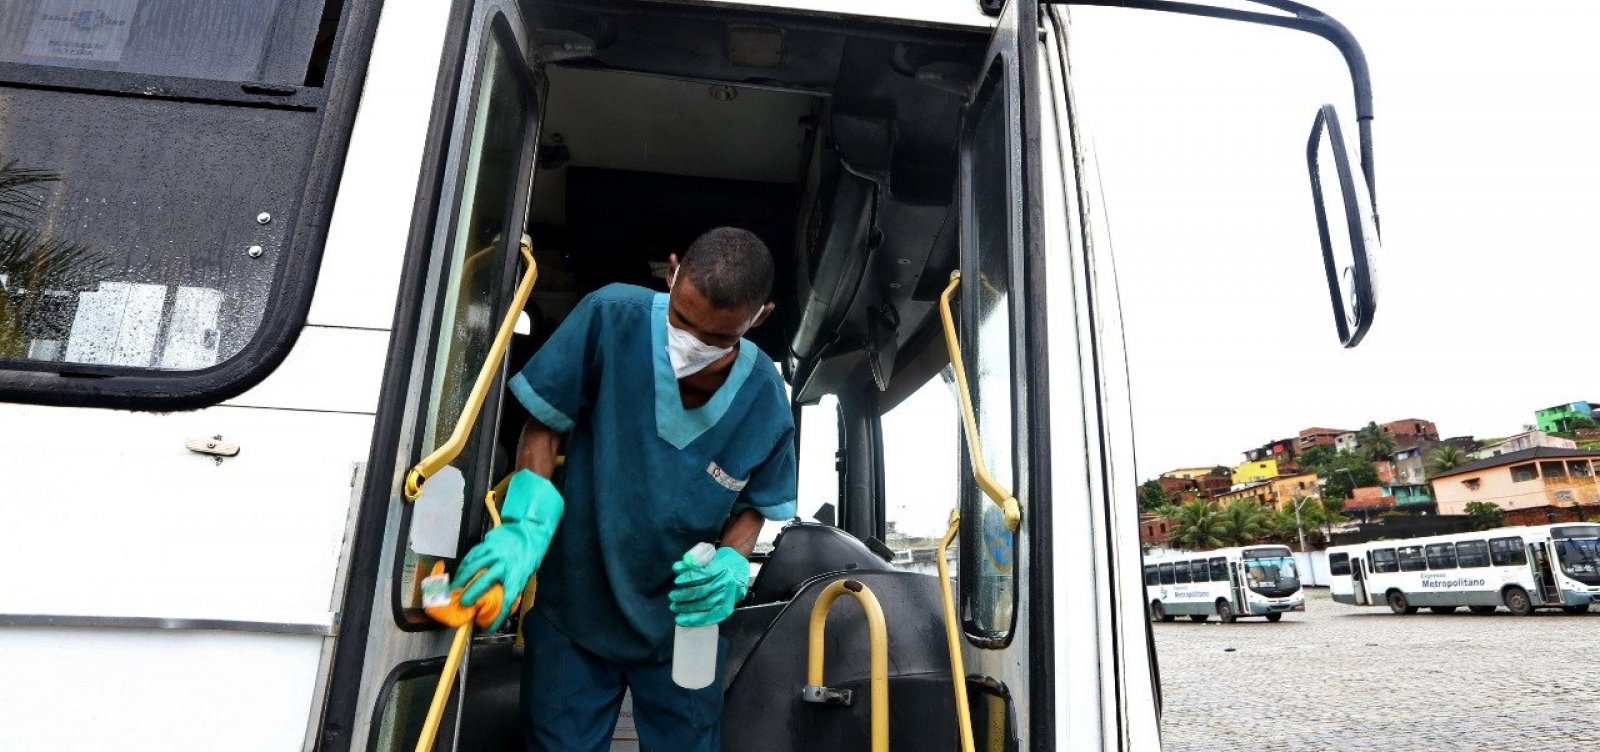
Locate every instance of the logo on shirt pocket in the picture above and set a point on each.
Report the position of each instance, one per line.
(724, 479)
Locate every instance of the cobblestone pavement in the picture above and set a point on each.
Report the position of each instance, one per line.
(1354, 678)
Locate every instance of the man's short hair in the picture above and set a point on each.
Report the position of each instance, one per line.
(731, 267)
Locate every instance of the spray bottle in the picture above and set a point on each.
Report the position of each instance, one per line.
(694, 649)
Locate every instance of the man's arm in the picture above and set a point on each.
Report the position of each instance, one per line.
(741, 531)
(536, 450)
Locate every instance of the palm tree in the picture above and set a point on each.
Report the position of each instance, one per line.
(1374, 442)
(1196, 527)
(31, 263)
(1244, 521)
(18, 202)
(1445, 458)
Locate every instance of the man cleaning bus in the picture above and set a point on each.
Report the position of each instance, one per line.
(680, 433)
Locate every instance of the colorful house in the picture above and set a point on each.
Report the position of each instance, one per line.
(1559, 419)
(1531, 478)
(1255, 471)
(1411, 497)
(1521, 441)
(1188, 473)
(1318, 436)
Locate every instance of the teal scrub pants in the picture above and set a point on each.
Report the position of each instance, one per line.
(571, 699)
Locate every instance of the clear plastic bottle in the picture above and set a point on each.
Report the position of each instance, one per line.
(694, 649)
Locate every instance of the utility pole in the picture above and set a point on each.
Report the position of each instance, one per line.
(1300, 530)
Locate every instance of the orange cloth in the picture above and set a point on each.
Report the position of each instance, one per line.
(482, 613)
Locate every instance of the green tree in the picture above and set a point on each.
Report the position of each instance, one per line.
(1374, 443)
(1244, 522)
(1317, 455)
(1446, 458)
(1223, 471)
(1485, 515)
(1580, 422)
(1196, 526)
(1341, 472)
(1152, 496)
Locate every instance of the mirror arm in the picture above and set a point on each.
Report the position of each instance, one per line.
(1306, 19)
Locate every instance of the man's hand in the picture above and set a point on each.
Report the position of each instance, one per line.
(511, 553)
(704, 596)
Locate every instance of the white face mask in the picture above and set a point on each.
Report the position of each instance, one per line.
(688, 354)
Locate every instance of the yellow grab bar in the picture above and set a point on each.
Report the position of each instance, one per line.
(452, 661)
(952, 634)
(878, 640)
(991, 488)
(447, 452)
(441, 692)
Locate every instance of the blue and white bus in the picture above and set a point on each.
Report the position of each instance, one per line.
(1229, 583)
(1519, 568)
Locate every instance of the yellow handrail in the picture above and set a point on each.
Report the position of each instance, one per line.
(952, 634)
(991, 487)
(441, 692)
(452, 661)
(447, 452)
(878, 640)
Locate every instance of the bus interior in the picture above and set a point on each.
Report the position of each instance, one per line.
(835, 142)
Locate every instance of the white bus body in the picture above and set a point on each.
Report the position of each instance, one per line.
(1227, 582)
(309, 235)
(1520, 568)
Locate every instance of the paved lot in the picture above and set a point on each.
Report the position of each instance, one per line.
(1352, 678)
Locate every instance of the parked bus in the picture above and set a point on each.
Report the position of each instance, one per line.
(262, 260)
(1229, 582)
(1520, 568)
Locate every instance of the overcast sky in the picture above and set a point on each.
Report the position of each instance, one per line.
(1489, 190)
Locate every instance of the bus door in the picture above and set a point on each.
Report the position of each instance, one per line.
(1539, 558)
(465, 264)
(1236, 582)
(1358, 579)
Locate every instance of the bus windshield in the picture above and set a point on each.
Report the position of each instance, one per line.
(1271, 574)
(1580, 559)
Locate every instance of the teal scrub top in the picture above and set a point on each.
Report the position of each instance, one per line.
(645, 479)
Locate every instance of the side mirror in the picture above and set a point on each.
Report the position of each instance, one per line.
(1348, 226)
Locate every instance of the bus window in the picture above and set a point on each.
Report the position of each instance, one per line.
(1197, 571)
(1508, 552)
(818, 466)
(1339, 564)
(1219, 569)
(1270, 568)
(1152, 576)
(1472, 554)
(989, 244)
(1180, 572)
(227, 40)
(1411, 558)
(1383, 560)
(1580, 559)
(1441, 556)
(920, 468)
(165, 233)
(1166, 574)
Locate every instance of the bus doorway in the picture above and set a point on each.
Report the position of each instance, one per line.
(1358, 578)
(1539, 560)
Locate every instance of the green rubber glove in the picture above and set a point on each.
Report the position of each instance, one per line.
(703, 596)
(510, 553)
